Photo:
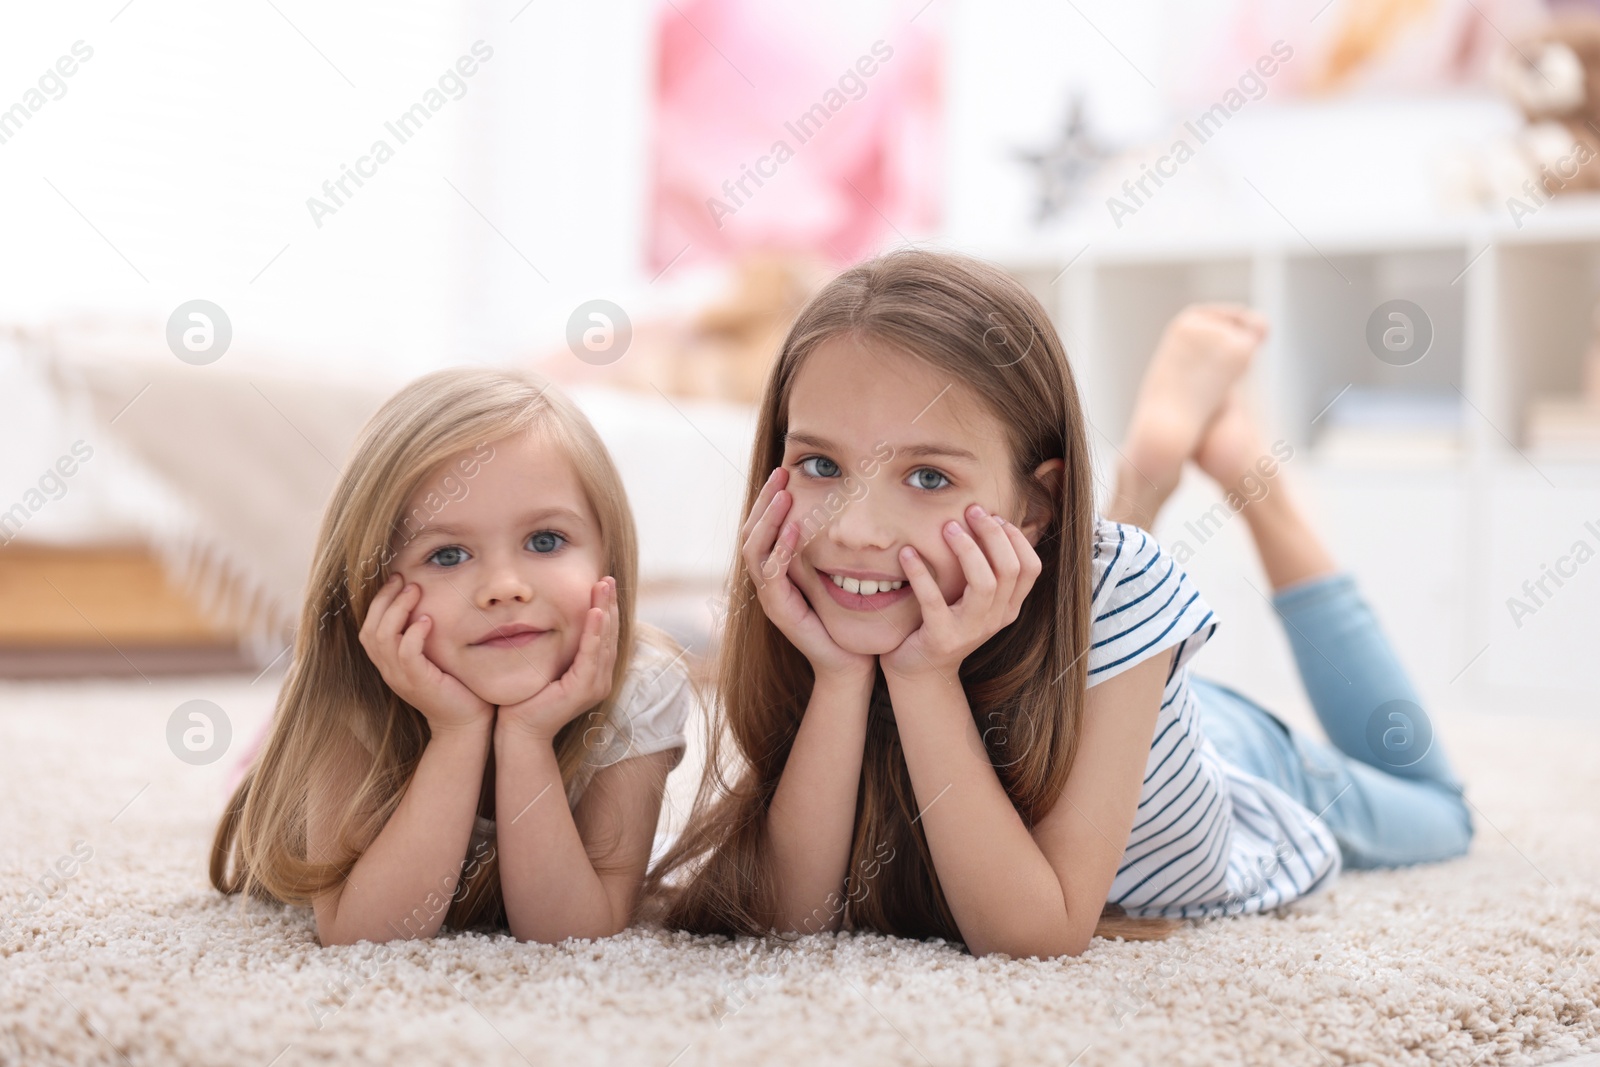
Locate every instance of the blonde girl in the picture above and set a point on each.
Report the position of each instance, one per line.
(473, 730)
(954, 701)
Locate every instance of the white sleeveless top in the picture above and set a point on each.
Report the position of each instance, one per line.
(1208, 838)
(650, 716)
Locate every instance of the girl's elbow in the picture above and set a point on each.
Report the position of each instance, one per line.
(1030, 944)
(1049, 932)
(530, 935)
(546, 937)
(331, 934)
(333, 938)
(1028, 950)
(1076, 948)
(615, 926)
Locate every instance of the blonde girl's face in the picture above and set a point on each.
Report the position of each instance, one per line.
(883, 449)
(507, 559)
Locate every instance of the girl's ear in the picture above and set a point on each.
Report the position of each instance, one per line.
(1043, 500)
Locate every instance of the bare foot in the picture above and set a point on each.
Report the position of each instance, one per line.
(1204, 351)
(1233, 447)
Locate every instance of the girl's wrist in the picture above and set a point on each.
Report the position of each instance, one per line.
(509, 729)
(929, 679)
(465, 734)
(847, 681)
(942, 712)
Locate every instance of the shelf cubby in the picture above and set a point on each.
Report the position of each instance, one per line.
(1447, 518)
(1323, 348)
(1134, 302)
(1546, 322)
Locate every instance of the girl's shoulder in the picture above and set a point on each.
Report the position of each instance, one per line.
(1144, 602)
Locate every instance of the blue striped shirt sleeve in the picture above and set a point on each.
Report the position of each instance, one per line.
(1144, 604)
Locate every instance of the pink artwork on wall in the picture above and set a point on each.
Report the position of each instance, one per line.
(805, 129)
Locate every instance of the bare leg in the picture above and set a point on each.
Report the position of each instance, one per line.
(1391, 800)
(1193, 405)
(1203, 352)
(1236, 455)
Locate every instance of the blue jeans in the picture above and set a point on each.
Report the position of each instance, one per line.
(1384, 787)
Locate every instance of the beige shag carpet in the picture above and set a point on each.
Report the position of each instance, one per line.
(130, 958)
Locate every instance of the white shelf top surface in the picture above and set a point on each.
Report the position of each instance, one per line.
(1302, 179)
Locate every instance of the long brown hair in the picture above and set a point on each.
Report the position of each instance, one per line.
(1026, 685)
(334, 700)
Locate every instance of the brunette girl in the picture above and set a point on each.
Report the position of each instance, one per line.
(954, 701)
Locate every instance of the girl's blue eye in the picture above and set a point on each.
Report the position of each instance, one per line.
(825, 467)
(919, 477)
(546, 541)
(448, 556)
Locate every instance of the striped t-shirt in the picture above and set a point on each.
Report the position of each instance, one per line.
(1208, 838)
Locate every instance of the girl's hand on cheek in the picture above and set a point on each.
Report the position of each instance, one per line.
(586, 683)
(999, 575)
(395, 648)
(769, 546)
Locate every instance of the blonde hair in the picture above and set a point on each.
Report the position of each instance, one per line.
(1026, 685)
(333, 693)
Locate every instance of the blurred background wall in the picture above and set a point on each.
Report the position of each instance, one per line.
(1318, 160)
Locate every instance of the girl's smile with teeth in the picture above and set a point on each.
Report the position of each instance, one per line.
(866, 586)
(867, 595)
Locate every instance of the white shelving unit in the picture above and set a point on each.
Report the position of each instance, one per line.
(1440, 537)
(1511, 310)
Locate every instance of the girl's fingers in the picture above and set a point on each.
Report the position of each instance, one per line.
(764, 535)
(974, 567)
(604, 670)
(607, 666)
(999, 548)
(611, 622)
(923, 585)
(380, 603)
(775, 481)
(575, 678)
(772, 565)
(380, 600)
(593, 633)
(589, 676)
(412, 661)
(783, 550)
(594, 624)
(396, 615)
(593, 658)
(1027, 555)
(613, 618)
(383, 640)
(608, 650)
(1030, 568)
(756, 509)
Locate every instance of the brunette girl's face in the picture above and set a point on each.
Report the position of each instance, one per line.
(507, 557)
(882, 450)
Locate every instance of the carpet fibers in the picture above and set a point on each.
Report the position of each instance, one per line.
(114, 950)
